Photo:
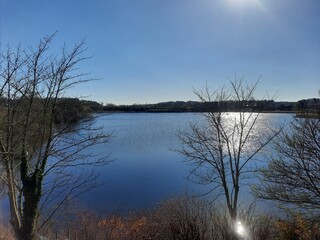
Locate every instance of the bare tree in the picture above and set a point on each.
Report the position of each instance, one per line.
(222, 148)
(292, 177)
(44, 164)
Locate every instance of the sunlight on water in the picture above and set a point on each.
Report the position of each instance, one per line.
(262, 127)
(145, 170)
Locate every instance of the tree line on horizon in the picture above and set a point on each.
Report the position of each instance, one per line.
(73, 109)
(312, 105)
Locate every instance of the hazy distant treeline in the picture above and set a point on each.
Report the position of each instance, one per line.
(74, 109)
(193, 106)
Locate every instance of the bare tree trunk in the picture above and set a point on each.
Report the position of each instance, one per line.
(32, 194)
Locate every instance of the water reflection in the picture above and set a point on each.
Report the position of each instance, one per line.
(146, 169)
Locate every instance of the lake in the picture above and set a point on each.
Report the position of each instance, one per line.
(146, 169)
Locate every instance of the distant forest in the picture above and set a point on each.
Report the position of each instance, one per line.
(72, 110)
(68, 110)
(305, 105)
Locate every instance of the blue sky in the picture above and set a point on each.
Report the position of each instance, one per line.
(147, 51)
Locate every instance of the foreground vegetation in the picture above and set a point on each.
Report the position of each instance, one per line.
(40, 146)
(184, 218)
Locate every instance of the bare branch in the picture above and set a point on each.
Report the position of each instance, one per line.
(292, 177)
(220, 151)
(34, 148)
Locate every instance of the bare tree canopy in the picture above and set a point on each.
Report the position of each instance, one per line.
(221, 150)
(43, 164)
(292, 177)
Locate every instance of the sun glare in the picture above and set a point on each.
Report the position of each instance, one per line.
(240, 229)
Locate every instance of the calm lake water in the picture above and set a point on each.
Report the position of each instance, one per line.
(145, 169)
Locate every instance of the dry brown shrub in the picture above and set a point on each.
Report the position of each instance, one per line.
(184, 218)
(296, 227)
(178, 219)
